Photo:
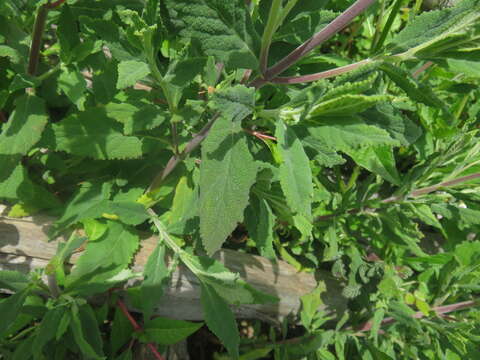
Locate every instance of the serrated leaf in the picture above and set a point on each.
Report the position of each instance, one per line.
(377, 159)
(136, 117)
(24, 127)
(223, 29)
(13, 280)
(295, 172)
(129, 72)
(349, 133)
(106, 256)
(345, 105)
(166, 331)
(156, 275)
(433, 27)
(226, 174)
(259, 220)
(92, 133)
(220, 319)
(10, 308)
(398, 125)
(122, 331)
(85, 331)
(414, 89)
(73, 84)
(67, 33)
(46, 330)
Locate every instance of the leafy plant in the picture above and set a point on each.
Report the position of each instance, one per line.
(192, 119)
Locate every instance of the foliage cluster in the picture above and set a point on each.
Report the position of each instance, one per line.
(354, 152)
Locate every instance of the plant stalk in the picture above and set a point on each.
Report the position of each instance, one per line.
(38, 30)
(326, 33)
(320, 75)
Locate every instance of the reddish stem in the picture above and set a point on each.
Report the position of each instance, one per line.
(421, 69)
(56, 4)
(439, 310)
(138, 328)
(260, 135)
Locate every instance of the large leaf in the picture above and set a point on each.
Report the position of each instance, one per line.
(436, 31)
(345, 105)
(25, 126)
(47, 329)
(156, 275)
(226, 174)
(91, 133)
(105, 256)
(129, 72)
(295, 172)
(220, 319)
(377, 159)
(10, 308)
(169, 331)
(222, 28)
(348, 133)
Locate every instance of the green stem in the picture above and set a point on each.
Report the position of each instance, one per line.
(388, 25)
(270, 28)
(48, 73)
(353, 177)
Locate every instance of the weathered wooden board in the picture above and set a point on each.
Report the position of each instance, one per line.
(24, 247)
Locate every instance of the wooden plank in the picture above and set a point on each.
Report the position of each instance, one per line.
(24, 246)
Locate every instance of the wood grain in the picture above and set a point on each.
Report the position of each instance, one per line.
(24, 246)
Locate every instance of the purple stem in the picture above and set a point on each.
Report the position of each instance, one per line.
(321, 75)
(326, 33)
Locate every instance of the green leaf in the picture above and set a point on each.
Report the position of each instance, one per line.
(469, 68)
(106, 256)
(429, 29)
(303, 26)
(46, 330)
(91, 133)
(122, 331)
(129, 72)
(165, 331)
(377, 159)
(67, 33)
(226, 174)
(259, 220)
(345, 105)
(220, 319)
(85, 331)
(156, 276)
(295, 172)
(223, 29)
(104, 83)
(10, 308)
(13, 280)
(73, 84)
(415, 90)
(310, 304)
(24, 127)
(136, 117)
(398, 125)
(348, 133)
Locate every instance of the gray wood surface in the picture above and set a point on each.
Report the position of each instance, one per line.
(24, 246)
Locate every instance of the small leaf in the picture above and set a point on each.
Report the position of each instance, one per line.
(85, 331)
(165, 331)
(122, 331)
(129, 72)
(13, 280)
(259, 220)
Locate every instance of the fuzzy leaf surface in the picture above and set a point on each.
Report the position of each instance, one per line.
(222, 28)
(91, 133)
(25, 126)
(295, 172)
